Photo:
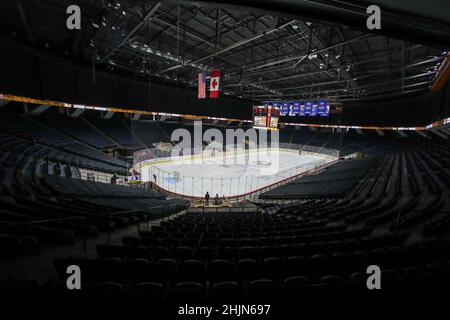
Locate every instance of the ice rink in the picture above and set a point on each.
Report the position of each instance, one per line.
(229, 174)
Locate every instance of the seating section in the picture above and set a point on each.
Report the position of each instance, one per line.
(347, 142)
(52, 144)
(336, 181)
(79, 141)
(57, 210)
(302, 248)
(115, 129)
(78, 129)
(313, 237)
(334, 141)
(117, 196)
(149, 132)
(301, 136)
(217, 257)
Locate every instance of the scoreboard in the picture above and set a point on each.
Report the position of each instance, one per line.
(266, 117)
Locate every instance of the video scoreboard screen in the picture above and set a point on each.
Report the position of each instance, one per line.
(266, 117)
(307, 108)
(260, 121)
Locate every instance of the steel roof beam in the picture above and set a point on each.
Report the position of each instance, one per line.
(336, 68)
(372, 85)
(144, 21)
(357, 91)
(231, 47)
(288, 59)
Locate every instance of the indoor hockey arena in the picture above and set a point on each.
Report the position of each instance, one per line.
(224, 159)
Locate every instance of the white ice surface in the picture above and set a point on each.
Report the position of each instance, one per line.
(230, 176)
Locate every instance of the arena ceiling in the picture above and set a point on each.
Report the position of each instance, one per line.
(273, 52)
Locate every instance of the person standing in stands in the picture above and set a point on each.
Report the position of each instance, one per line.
(154, 178)
(217, 200)
(207, 198)
(114, 178)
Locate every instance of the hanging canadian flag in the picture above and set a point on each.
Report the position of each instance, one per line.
(201, 86)
(214, 84)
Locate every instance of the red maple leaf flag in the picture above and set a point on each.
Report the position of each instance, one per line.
(214, 84)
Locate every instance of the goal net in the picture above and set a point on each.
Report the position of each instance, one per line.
(177, 176)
